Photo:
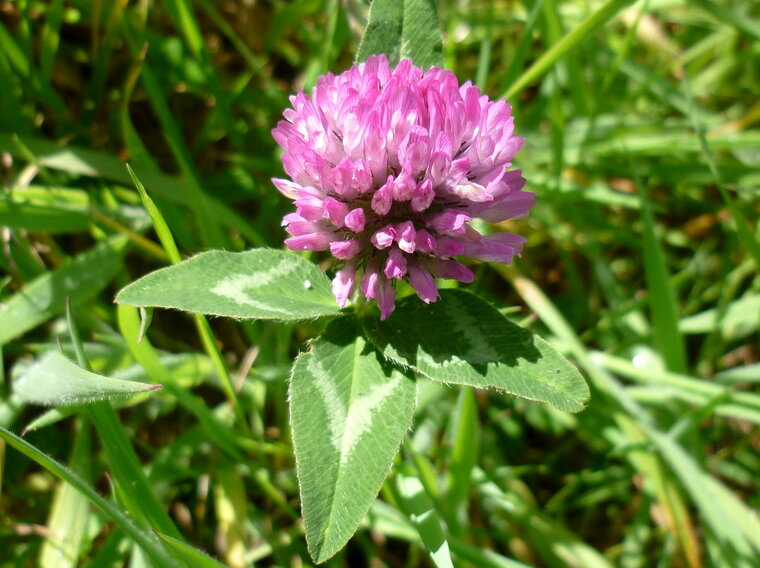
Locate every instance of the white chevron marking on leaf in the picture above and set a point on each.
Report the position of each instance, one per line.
(237, 287)
(334, 408)
(362, 409)
(480, 348)
(348, 425)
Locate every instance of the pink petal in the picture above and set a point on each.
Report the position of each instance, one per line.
(449, 269)
(395, 266)
(423, 196)
(406, 236)
(414, 151)
(403, 186)
(298, 226)
(423, 283)
(446, 246)
(355, 220)
(501, 247)
(383, 198)
(384, 238)
(343, 284)
(342, 177)
(439, 167)
(335, 211)
(345, 250)
(449, 222)
(509, 206)
(286, 187)
(424, 242)
(313, 241)
(386, 297)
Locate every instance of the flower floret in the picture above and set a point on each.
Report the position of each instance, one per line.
(388, 167)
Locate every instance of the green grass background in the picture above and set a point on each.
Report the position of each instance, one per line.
(643, 147)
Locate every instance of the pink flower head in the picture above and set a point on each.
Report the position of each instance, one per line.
(389, 167)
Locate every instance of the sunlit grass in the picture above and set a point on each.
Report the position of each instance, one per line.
(640, 122)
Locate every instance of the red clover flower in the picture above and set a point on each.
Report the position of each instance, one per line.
(388, 168)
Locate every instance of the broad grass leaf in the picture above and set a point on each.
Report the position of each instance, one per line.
(56, 381)
(463, 339)
(738, 319)
(349, 410)
(259, 283)
(418, 506)
(39, 208)
(403, 29)
(95, 164)
(86, 275)
(150, 544)
(70, 512)
(570, 41)
(661, 294)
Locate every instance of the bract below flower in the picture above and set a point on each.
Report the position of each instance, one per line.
(389, 167)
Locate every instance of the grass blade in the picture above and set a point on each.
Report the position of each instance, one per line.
(201, 323)
(212, 234)
(146, 540)
(145, 354)
(70, 513)
(736, 532)
(662, 299)
(465, 436)
(569, 42)
(192, 556)
(743, 228)
(131, 482)
(418, 506)
(96, 164)
(45, 297)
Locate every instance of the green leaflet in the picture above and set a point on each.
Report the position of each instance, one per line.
(349, 410)
(403, 29)
(463, 339)
(259, 283)
(56, 381)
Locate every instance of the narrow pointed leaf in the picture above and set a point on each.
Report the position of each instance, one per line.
(56, 381)
(418, 506)
(259, 283)
(146, 540)
(403, 29)
(737, 319)
(189, 554)
(463, 339)
(573, 39)
(159, 223)
(349, 410)
(70, 512)
(663, 305)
